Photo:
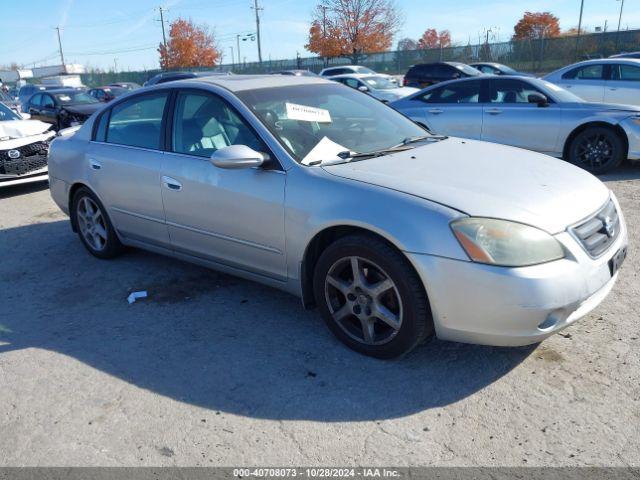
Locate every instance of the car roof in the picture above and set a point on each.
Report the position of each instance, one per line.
(604, 60)
(238, 83)
(356, 75)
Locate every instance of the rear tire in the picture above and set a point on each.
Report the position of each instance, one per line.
(94, 225)
(597, 150)
(383, 310)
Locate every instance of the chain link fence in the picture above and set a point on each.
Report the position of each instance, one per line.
(535, 56)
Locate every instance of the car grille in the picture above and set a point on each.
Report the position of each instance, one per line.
(32, 157)
(598, 232)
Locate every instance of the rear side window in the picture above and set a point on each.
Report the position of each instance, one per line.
(589, 72)
(36, 99)
(47, 101)
(420, 70)
(627, 73)
(462, 92)
(137, 122)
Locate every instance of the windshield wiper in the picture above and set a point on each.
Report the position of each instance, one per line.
(420, 138)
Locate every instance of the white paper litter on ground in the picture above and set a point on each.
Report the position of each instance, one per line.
(133, 296)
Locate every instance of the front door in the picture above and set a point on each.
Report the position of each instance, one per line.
(234, 217)
(587, 82)
(124, 163)
(624, 85)
(510, 119)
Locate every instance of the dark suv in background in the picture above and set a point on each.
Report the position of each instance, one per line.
(426, 74)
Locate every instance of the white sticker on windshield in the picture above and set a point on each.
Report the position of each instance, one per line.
(307, 114)
(64, 98)
(325, 150)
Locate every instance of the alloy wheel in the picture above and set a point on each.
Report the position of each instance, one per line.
(92, 224)
(363, 300)
(595, 150)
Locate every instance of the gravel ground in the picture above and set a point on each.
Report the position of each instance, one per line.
(214, 370)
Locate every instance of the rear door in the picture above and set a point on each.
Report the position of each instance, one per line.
(624, 84)
(510, 119)
(453, 109)
(34, 107)
(48, 109)
(587, 82)
(124, 161)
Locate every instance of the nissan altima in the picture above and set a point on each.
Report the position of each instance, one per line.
(395, 234)
(530, 113)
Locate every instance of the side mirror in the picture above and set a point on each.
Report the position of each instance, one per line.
(235, 157)
(362, 88)
(538, 99)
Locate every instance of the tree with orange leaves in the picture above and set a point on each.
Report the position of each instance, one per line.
(353, 27)
(431, 38)
(536, 25)
(189, 45)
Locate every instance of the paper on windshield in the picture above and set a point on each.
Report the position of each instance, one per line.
(64, 98)
(325, 151)
(307, 114)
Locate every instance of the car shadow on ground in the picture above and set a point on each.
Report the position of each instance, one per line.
(213, 340)
(23, 189)
(628, 171)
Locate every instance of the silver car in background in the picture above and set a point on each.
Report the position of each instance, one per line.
(529, 113)
(378, 86)
(608, 80)
(313, 188)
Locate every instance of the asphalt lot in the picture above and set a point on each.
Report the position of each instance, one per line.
(214, 370)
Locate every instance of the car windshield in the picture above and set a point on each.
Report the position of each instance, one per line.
(74, 98)
(467, 69)
(558, 93)
(317, 122)
(363, 70)
(4, 97)
(379, 83)
(116, 91)
(7, 114)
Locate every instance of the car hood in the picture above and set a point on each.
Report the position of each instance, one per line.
(84, 109)
(487, 180)
(22, 128)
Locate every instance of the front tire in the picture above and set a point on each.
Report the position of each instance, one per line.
(597, 150)
(94, 226)
(371, 298)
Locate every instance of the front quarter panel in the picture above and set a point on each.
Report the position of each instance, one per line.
(317, 200)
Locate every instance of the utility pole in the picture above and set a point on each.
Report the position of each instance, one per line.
(324, 32)
(619, 22)
(115, 64)
(257, 10)
(579, 28)
(233, 60)
(60, 46)
(238, 42)
(164, 36)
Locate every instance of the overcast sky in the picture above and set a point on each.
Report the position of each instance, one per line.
(128, 31)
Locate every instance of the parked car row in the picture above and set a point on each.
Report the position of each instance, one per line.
(396, 234)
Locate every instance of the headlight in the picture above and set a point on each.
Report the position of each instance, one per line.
(504, 243)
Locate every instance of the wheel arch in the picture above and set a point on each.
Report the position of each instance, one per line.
(581, 128)
(72, 193)
(323, 239)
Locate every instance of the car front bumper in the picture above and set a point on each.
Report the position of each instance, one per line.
(476, 303)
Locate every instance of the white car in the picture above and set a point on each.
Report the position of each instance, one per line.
(353, 69)
(24, 148)
(608, 80)
(378, 86)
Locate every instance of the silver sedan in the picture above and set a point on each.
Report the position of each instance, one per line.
(529, 113)
(306, 185)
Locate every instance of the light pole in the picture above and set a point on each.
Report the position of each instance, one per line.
(579, 28)
(619, 23)
(233, 60)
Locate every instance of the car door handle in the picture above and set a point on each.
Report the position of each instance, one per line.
(613, 89)
(172, 183)
(94, 164)
(436, 111)
(493, 111)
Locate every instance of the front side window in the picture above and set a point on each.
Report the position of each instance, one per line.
(204, 123)
(627, 73)
(511, 91)
(137, 122)
(462, 92)
(329, 117)
(589, 72)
